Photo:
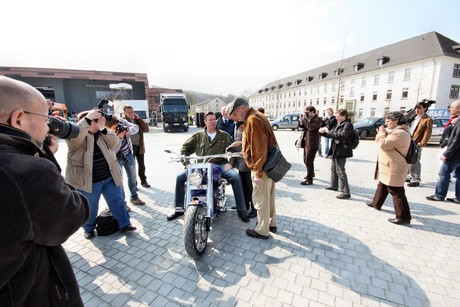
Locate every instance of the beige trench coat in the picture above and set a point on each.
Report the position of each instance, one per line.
(392, 166)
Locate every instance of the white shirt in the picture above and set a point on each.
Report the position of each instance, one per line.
(212, 135)
(414, 124)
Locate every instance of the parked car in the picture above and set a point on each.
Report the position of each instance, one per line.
(288, 121)
(438, 128)
(367, 127)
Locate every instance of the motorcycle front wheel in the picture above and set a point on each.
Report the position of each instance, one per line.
(195, 234)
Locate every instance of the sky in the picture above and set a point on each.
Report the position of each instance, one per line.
(211, 46)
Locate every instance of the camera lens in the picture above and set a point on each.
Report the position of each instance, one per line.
(62, 129)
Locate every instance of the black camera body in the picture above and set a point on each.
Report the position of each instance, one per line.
(101, 105)
(121, 128)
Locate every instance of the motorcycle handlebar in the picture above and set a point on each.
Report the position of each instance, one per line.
(205, 159)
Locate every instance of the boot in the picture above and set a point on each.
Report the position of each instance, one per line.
(243, 216)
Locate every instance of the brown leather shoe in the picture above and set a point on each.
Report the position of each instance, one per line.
(254, 234)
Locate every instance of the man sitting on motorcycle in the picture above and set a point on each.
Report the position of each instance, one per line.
(210, 141)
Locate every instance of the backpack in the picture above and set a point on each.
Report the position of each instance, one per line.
(412, 153)
(106, 224)
(354, 142)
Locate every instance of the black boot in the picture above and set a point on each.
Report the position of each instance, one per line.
(253, 212)
(243, 216)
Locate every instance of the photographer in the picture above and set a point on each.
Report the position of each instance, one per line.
(93, 168)
(124, 152)
(39, 210)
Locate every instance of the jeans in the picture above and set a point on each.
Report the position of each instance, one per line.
(231, 176)
(140, 163)
(114, 198)
(442, 186)
(327, 142)
(130, 168)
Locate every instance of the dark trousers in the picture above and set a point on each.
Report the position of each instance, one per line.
(246, 181)
(140, 163)
(400, 203)
(309, 155)
(339, 179)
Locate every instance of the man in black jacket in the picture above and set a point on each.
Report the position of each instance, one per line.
(451, 162)
(39, 210)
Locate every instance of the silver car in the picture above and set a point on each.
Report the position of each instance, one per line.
(288, 121)
(438, 128)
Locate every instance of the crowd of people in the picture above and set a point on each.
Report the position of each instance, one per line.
(42, 216)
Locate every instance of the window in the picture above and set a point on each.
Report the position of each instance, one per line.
(311, 102)
(305, 103)
(376, 79)
(352, 91)
(374, 96)
(103, 94)
(352, 81)
(363, 82)
(332, 100)
(350, 105)
(405, 93)
(389, 92)
(402, 110)
(407, 74)
(361, 98)
(385, 112)
(456, 72)
(324, 101)
(317, 89)
(454, 91)
(333, 87)
(391, 77)
(325, 87)
(341, 99)
(373, 112)
(317, 101)
(360, 113)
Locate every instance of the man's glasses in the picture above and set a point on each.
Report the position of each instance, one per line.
(27, 112)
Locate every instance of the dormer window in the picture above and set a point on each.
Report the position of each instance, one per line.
(280, 85)
(358, 66)
(383, 60)
(298, 81)
(266, 89)
(309, 78)
(289, 83)
(338, 72)
(322, 75)
(273, 87)
(260, 91)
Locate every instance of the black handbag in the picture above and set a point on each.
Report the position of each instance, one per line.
(276, 165)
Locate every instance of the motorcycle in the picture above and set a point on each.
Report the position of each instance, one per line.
(204, 198)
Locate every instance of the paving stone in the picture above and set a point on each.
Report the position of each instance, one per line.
(326, 252)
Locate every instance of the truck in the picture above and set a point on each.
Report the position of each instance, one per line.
(141, 108)
(174, 111)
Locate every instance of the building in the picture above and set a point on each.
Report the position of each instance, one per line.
(79, 89)
(389, 78)
(210, 105)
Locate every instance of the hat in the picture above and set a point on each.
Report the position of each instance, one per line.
(235, 104)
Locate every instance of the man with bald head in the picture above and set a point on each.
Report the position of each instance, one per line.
(451, 162)
(39, 210)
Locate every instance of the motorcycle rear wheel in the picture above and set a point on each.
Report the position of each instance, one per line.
(194, 232)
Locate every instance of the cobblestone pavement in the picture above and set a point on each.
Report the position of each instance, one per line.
(327, 252)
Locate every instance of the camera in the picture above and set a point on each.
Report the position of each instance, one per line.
(121, 128)
(62, 129)
(101, 105)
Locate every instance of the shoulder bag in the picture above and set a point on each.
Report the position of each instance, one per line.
(276, 165)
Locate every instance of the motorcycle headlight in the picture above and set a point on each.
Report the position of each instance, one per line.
(195, 179)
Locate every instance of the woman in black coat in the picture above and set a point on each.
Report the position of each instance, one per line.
(341, 149)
